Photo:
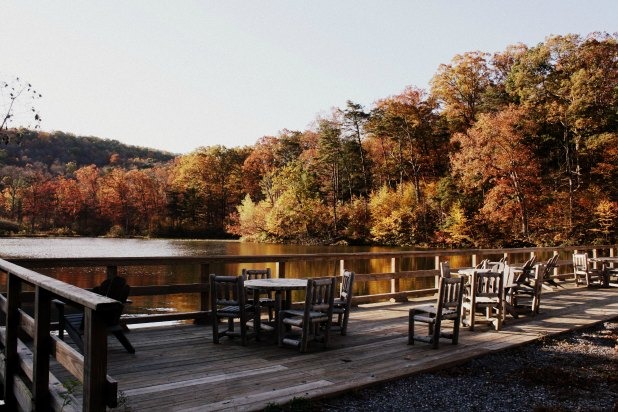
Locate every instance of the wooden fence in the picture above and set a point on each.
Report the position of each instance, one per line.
(31, 359)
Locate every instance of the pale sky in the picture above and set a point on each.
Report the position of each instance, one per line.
(178, 75)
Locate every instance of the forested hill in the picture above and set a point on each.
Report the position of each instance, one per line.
(58, 149)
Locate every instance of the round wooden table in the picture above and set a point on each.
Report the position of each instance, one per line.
(277, 285)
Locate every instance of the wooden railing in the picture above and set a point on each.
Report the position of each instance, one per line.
(395, 275)
(31, 359)
(28, 345)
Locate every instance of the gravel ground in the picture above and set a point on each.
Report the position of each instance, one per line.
(576, 371)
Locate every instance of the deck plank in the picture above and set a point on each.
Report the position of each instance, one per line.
(178, 368)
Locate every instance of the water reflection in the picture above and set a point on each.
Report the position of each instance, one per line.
(170, 274)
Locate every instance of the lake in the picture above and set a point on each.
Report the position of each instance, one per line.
(148, 275)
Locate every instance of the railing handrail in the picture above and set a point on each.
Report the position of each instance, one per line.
(331, 256)
(59, 288)
(28, 383)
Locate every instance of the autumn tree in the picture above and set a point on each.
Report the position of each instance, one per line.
(405, 125)
(460, 88)
(569, 83)
(38, 200)
(495, 158)
(210, 183)
(69, 203)
(396, 218)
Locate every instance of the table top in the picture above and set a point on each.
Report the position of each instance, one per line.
(276, 283)
(470, 271)
(613, 259)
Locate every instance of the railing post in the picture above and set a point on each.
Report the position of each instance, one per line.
(95, 361)
(11, 362)
(41, 351)
(204, 295)
(111, 271)
(557, 266)
(474, 260)
(436, 265)
(594, 255)
(394, 262)
(280, 269)
(341, 267)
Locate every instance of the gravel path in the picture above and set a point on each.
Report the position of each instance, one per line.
(576, 371)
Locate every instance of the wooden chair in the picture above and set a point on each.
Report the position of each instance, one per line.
(342, 304)
(548, 269)
(525, 297)
(114, 288)
(447, 307)
(486, 294)
(445, 270)
(313, 322)
(266, 299)
(586, 274)
(227, 300)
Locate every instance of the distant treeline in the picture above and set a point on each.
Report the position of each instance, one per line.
(518, 147)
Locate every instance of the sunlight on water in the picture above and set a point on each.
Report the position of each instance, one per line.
(186, 273)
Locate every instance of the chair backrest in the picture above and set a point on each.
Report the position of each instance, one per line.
(345, 290)
(489, 285)
(226, 291)
(450, 293)
(320, 295)
(509, 275)
(445, 270)
(483, 264)
(580, 262)
(549, 266)
(536, 280)
(496, 266)
(528, 264)
(114, 288)
(551, 262)
(256, 273)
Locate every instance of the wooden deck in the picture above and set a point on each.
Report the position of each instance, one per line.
(178, 368)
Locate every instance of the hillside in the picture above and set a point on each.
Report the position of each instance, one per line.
(59, 148)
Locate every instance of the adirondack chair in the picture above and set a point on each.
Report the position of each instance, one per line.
(447, 307)
(227, 300)
(485, 294)
(525, 297)
(584, 274)
(114, 288)
(266, 299)
(313, 322)
(342, 304)
(548, 268)
(445, 270)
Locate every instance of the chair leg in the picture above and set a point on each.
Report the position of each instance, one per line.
(304, 339)
(243, 330)
(215, 329)
(326, 334)
(436, 333)
(455, 339)
(411, 327)
(344, 322)
(124, 341)
(257, 323)
(280, 330)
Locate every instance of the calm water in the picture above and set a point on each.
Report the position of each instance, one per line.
(169, 274)
(148, 275)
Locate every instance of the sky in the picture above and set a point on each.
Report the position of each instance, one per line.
(179, 75)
